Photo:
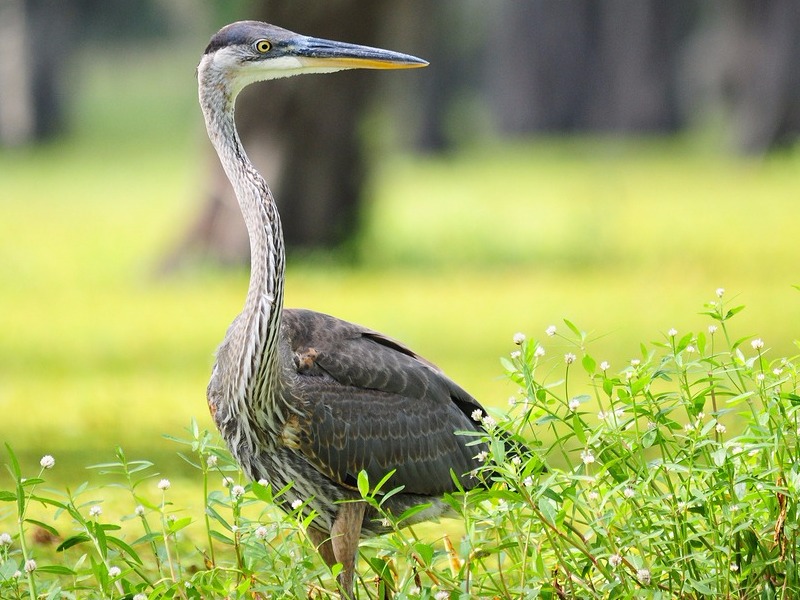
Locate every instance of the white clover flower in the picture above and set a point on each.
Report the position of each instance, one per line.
(211, 461)
(114, 572)
(164, 484)
(237, 491)
(17, 574)
(672, 332)
(720, 292)
(539, 352)
(261, 533)
(587, 456)
(519, 338)
(139, 510)
(644, 576)
(30, 566)
(47, 462)
(757, 344)
(550, 331)
(95, 511)
(615, 560)
(296, 504)
(477, 415)
(712, 329)
(482, 456)
(227, 481)
(5, 539)
(574, 404)
(516, 354)
(605, 366)
(720, 428)
(629, 492)
(635, 362)
(569, 358)
(443, 595)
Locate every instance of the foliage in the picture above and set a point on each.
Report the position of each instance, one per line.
(675, 476)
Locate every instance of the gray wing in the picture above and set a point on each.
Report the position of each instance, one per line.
(375, 405)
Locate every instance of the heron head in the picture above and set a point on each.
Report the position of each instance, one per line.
(248, 51)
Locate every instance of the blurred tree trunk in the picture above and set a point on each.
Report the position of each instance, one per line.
(302, 134)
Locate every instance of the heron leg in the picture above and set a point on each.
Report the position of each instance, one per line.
(322, 542)
(345, 534)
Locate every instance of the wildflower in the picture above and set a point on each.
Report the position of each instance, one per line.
(114, 572)
(629, 492)
(635, 362)
(516, 461)
(587, 456)
(386, 522)
(574, 404)
(30, 566)
(482, 456)
(734, 567)
(527, 482)
(601, 415)
(594, 495)
(211, 461)
(95, 511)
(569, 358)
(443, 595)
(720, 428)
(777, 372)
(550, 331)
(47, 462)
(489, 422)
(516, 354)
(296, 504)
(672, 332)
(690, 349)
(644, 576)
(760, 377)
(5, 539)
(615, 560)
(237, 492)
(164, 484)
(140, 597)
(720, 292)
(604, 366)
(512, 401)
(712, 329)
(539, 352)
(263, 482)
(477, 415)
(227, 481)
(519, 338)
(139, 510)
(261, 533)
(757, 344)
(17, 574)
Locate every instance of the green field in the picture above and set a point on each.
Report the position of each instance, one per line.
(625, 238)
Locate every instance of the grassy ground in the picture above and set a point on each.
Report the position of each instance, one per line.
(624, 238)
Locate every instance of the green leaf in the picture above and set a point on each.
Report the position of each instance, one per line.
(363, 483)
(6, 496)
(179, 524)
(573, 328)
(425, 552)
(589, 364)
(55, 570)
(48, 528)
(577, 427)
(122, 545)
(72, 541)
(548, 509)
(733, 311)
(649, 437)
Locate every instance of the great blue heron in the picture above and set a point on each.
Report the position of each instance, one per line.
(303, 398)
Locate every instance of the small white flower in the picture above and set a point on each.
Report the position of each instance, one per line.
(644, 576)
(516, 354)
(539, 352)
(17, 574)
(720, 292)
(261, 533)
(516, 461)
(569, 358)
(477, 415)
(139, 510)
(442, 595)
(519, 338)
(689, 427)
(211, 461)
(777, 372)
(635, 362)
(237, 491)
(760, 377)
(712, 329)
(734, 567)
(615, 560)
(114, 572)
(604, 366)
(140, 597)
(601, 415)
(5, 539)
(720, 428)
(527, 482)
(593, 495)
(187, 585)
(587, 456)
(488, 422)
(386, 523)
(263, 482)
(629, 492)
(296, 504)
(482, 456)
(227, 481)
(690, 349)
(551, 331)
(672, 332)
(234, 528)
(757, 344)
(30, 566)
(574, 404)
(164, 484)
(512, 401)
(95, 511)
(47, 462)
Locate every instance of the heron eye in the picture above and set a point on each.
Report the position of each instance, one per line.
(263, 46)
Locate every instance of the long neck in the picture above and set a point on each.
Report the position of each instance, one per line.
(259, 323)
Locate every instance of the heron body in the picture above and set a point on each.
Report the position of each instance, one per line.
(307, 399)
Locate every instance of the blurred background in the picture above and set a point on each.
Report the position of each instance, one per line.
(608, 161)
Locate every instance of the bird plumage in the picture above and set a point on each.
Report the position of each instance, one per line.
(307, 399)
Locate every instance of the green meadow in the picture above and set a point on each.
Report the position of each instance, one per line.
(626, 238)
